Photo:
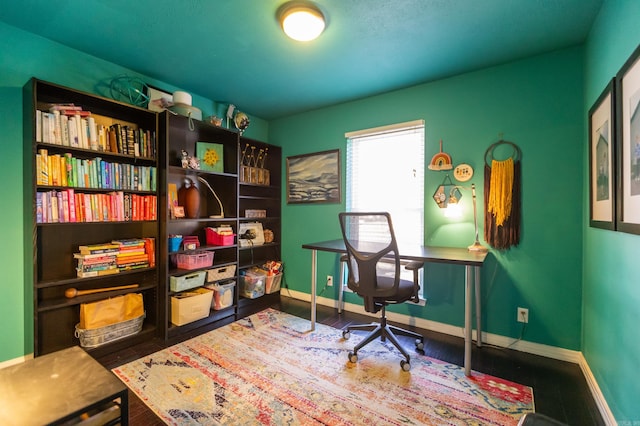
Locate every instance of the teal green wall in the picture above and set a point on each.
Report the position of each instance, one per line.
(23, 56)
(13, 319)
(611, 289)
(535, 103)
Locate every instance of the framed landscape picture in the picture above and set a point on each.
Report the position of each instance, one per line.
(602, 160)
(314, 178)
(628, 134)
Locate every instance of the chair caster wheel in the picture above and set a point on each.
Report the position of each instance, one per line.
(405, 365)
(346, 334)
(353, 357)
(419, 345)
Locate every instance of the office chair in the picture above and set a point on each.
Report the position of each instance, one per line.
(371, 245)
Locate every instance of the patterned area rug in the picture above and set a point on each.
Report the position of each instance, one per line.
(268, 369)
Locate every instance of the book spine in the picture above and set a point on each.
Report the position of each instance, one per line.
(72, 129)
(74, 171)
(68, 161)
(102, 139)
(63, 171)
(84, 133)
(54, 208)
(46, 207)
(150, 250)
(43, 177)
(38, 135)
(71, 196)
(99, 248)
(120, 205)
(60, 206)
(64, 129)
(39, 207)
(65, 206)
(90, 274)
(88, 217)
(93, 133)
(80, 208)
(106, 207)
(127, 207)
(57, 135)
(98, 172)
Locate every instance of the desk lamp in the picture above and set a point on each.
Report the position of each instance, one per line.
(221, 215)
(448, 196)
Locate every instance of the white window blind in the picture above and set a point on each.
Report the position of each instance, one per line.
(385, 172)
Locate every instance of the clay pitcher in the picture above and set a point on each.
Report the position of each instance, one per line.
(189, 198)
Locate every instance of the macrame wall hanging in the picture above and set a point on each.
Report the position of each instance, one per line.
(502, 195)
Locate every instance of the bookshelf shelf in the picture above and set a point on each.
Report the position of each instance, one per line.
(120, 139)
(62, 302)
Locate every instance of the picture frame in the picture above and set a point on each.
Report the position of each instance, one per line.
(211, 156)
(628, 151)
(159, 100)
(314, 178)
(602, 165)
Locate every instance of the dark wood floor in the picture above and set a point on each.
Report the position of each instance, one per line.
(560, 389)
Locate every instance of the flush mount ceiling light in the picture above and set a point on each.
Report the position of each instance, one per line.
(301, 21)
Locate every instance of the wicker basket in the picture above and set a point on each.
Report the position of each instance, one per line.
(221, 273)
(110, 333)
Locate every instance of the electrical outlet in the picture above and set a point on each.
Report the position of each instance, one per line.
(523, 315)
(329, 281)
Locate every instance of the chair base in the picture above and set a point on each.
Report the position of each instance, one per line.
(384, 331)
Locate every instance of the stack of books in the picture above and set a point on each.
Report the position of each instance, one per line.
(96, 260)
(111, 258)
(132, 254)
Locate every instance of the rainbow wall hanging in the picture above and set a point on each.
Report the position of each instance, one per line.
(441, 161)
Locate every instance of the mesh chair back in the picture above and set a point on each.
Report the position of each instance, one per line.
(369, 238)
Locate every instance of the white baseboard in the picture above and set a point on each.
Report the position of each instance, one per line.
(603, 407)
(553, 352)
(15, 361)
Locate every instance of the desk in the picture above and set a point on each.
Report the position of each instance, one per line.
(472, 261)
(58, 387)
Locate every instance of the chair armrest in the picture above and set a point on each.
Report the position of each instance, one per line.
(413, 266)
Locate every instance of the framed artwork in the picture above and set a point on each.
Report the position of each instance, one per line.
(158, 99)
(211, 156)
(314, 178)
(628, 135)
(602, 160)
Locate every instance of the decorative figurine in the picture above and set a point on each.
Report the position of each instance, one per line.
(185, 159)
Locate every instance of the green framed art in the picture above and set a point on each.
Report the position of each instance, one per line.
(211, 156)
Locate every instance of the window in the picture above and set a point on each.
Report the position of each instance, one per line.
(385, 172)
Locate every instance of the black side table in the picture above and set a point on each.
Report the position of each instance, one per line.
(60, 387)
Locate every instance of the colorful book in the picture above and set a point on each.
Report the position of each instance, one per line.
(71, 196)
(39, 207)
(81, 274)
(99, 248)
(150, 249)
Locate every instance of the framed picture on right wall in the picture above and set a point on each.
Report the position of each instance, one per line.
(602, 160)
(628, 135)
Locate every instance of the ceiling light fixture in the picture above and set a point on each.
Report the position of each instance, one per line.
(301, 21)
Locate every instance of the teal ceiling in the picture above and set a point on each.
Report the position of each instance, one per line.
(234, 51)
